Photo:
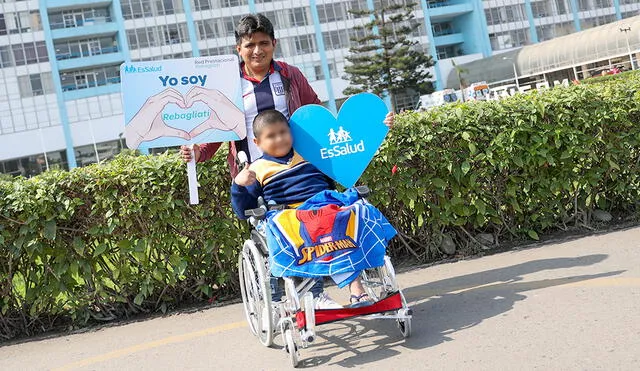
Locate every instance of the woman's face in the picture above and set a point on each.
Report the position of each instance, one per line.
(257, 51)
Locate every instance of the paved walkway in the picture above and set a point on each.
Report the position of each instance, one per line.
(569, 306)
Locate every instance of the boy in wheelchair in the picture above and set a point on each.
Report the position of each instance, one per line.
(282, 177)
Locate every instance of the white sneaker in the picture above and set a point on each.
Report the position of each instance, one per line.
(323, 301)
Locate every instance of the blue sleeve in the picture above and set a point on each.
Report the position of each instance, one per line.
(244, 198)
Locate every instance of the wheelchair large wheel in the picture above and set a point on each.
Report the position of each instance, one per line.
(256, 292)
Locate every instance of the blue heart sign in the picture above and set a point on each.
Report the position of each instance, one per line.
(341, 147)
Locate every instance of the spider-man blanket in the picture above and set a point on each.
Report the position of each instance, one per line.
(331, 234)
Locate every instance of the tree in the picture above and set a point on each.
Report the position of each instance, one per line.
(383, 57)
(462, 82)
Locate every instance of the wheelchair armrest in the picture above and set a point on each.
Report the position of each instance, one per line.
(277, 207)
(258, 213)
(363, 191)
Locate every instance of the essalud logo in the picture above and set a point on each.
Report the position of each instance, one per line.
(134, 69)
(339, 142)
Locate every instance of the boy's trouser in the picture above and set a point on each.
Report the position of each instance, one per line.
(277, 288)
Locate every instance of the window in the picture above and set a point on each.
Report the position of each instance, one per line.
(231, 3)
(584, 5)
(222, 50)
(509, 39)
(440, 29)
(79, 17)
(304, 44)
(335, 39)
(133, 9)
(597, 21)
(157, 36)
(319, 73)
(230, 25)
(298, 17)
(332, 12)
(561, 7)
(275, 19)
(604, 4)
(418, 28)
(201, 4)
(506, 14)
(445, 52)
(3, 25)
(173, 34)
(164, 7)
(85, 48)
(90, 78)
(356, 34)
(630, 14)
(550, 31)
(29, 53)
(209, 29)
(539, 9)
(5, 57)
(36, 84)
(357, 6)
(19, 22)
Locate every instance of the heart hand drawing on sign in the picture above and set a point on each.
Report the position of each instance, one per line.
(341, 147)
(198, 111)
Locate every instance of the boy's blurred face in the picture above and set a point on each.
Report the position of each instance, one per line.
(275, 139)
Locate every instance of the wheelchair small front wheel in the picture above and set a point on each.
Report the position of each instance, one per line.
(291, 348)
(405, 327)
(256, 292)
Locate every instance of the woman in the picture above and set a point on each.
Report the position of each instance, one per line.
(266, 85)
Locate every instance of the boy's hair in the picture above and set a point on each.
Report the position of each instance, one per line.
(266, 118)
(252, 23)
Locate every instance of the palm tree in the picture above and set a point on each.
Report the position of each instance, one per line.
(459, 71)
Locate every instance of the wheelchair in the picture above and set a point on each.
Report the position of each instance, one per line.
(298, 316)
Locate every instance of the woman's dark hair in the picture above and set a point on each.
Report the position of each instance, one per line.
(252, 23)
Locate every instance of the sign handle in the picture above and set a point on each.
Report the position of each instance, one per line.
(193, 179)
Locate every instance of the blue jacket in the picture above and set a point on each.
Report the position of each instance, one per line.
(288, 180)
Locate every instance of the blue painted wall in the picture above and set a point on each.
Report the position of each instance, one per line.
(323, 56)
(55, 75)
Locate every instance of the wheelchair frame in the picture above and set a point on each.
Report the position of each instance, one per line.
(298, 316)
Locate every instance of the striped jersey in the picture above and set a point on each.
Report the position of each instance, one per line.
(259, 96)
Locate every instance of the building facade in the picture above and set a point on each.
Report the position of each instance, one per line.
(60, 102)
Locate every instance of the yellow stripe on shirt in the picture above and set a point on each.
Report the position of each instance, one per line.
(265, 170)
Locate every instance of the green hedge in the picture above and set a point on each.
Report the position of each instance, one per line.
(109, 241)
(515, 167)
(112, 240)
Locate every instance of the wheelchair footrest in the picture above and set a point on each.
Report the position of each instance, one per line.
(323, 316)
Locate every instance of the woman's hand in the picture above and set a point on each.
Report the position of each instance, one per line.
(185, 153)
(389, 120)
